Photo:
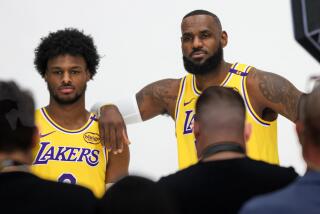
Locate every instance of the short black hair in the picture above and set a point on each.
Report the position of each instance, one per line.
(68, 41)
(17, 124)
(205, 12)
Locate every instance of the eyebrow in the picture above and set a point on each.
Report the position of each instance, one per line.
(73, 67)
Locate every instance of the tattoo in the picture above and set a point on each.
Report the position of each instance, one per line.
(279, 91)
(162, 93)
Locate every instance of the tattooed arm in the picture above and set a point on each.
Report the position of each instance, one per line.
(154, 99)
(158, 98)
(271, 94)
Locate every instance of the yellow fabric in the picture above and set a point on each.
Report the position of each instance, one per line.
(262, 144)
(71, 156)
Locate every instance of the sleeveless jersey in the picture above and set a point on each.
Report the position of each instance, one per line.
(71, 156)
(262, 144)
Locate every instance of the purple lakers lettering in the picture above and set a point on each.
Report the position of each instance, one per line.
(188, 122)
(66, 154)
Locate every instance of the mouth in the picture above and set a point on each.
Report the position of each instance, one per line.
(66, 89)
(198, 55)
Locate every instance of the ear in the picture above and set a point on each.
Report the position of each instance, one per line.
(35, 137)
(45, 77)
(88, 75)
(224, 39)
(196, 129)
(300, 131)
(247, 131)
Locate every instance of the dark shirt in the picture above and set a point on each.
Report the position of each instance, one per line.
(299, 197)
(22, 192)
(223, 186)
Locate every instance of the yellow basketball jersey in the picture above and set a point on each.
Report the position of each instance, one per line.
(71, 156)
(262, 144)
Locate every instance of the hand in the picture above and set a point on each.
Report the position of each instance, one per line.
(113, 131)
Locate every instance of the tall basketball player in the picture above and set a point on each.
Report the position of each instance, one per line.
(266, 94)
(70, 149)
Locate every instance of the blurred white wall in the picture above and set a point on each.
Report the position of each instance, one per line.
(140, 43)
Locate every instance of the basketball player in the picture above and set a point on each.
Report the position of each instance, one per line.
(70, 149)
(266, 94)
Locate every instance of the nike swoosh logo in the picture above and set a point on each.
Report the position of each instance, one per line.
(187, 103)
(44, 135)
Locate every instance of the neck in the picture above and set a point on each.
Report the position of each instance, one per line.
(213, 78)
(311, 154)
(223, 155)
(24, 158)
(70, 116)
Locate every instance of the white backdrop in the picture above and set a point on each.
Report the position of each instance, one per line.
(140, 43)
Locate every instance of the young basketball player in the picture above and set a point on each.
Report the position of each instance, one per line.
(70, 148)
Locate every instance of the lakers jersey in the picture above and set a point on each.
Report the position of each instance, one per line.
(262, 144)
(72, 156)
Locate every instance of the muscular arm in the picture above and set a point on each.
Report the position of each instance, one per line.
(270, 92)
(158, 98)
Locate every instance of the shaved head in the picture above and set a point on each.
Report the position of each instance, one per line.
(220, 109)
(205, 12)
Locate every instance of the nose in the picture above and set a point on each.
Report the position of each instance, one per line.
(66, 78)
(197, 43)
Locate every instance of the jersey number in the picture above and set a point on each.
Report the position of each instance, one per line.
(67, 178)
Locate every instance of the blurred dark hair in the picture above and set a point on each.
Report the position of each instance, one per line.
(134, 194)
(16, 118)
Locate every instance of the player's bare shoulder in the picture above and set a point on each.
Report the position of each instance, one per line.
(158, 98)
(274, 92)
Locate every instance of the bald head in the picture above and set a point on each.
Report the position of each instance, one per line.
(220, 118)
(220, 109)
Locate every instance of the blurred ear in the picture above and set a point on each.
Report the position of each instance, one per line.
(300, 131)
(196, 129)
(88, 75)
(224, 39)
(35, 137)
(247, 131)
(45, 76)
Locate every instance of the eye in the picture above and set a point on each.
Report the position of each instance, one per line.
(205, 35)
(57, 72)
(74, 72)
(186, 38)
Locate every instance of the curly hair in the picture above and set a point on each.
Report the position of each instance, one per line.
(68, 41)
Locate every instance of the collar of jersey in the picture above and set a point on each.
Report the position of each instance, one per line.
(194, 83)
(60, 128)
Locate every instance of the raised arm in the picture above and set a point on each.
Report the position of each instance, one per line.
(271, 94)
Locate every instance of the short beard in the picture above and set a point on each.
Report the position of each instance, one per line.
(67, 101)
(207, 66)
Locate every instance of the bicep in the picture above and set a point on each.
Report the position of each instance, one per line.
(158, 98)
(275, 92)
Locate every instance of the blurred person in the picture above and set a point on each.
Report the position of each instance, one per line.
(202, 42)
(70, 148)
(301, 196)
(20, 190)
(224, 178)
(134, 194)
